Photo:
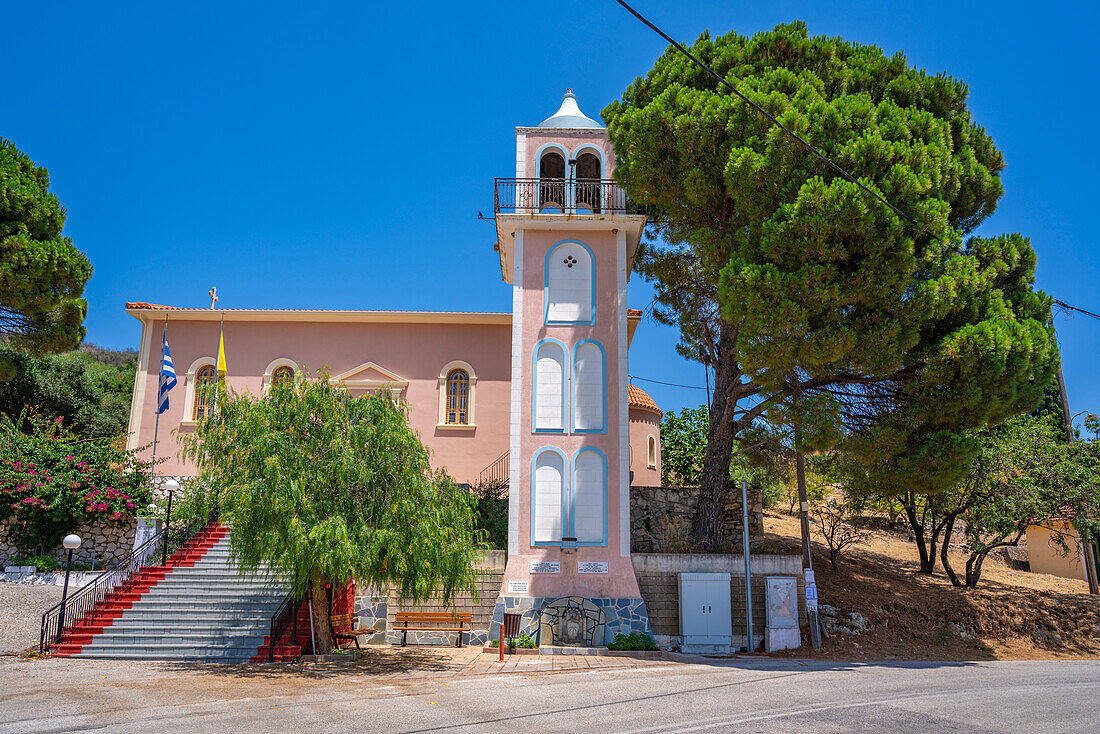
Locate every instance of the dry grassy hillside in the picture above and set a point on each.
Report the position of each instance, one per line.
(1011, 615)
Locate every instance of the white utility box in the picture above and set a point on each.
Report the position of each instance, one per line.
(705, 622)
(782, 632)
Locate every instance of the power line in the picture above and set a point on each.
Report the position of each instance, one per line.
(832, 164)
(1063, 304)
(670, 384)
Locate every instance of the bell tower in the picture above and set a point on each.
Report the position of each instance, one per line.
(567, 237)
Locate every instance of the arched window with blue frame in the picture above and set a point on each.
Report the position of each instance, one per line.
(588, 497)
(548, 497)
(589, 387)
(551, 390)
(570, 285)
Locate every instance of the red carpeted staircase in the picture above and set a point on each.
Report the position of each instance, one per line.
(289, 647)
(79, 634)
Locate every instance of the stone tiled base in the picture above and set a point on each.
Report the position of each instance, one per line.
(621, 615)
(373, 611)
(560, 650)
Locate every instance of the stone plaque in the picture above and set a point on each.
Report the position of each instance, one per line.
(591, 566)
(545, 567)
(517, 587)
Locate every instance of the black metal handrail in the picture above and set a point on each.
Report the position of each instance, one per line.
(497, 472)
(285, 616)
(84, 604)
(561, 196)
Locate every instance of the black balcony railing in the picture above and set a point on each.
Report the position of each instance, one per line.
(561, 196)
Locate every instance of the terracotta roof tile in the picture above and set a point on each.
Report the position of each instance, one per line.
(152, 306)
(634, 312)
(157, 307)
(639, 399)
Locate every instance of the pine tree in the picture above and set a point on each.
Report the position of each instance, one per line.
(42, 275)
(811, 300)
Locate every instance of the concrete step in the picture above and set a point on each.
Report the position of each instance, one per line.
(227, 588)
(258, 616)
(187, 654)
(114, 639)
(167, 626)
(202, 607)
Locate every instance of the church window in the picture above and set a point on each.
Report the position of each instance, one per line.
(652, 452)
(569, 284)
(204, 380)
(551, 387)
(589, 388)
(282, 375)
(458, 393)
(547, 497)
(588, 514)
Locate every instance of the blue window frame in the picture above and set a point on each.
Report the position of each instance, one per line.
(588, 387)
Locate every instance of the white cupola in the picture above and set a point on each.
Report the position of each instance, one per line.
(569, 115)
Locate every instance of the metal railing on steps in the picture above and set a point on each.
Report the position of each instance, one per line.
(83, 606)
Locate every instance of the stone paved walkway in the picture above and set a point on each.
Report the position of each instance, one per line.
(416, 663)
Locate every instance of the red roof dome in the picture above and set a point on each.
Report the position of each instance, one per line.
(639, 399)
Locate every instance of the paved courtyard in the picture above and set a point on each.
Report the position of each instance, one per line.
(434, 689)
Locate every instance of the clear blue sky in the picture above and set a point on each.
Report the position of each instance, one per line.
(335, 155)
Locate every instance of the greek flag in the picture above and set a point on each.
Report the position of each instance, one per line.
(167, 378)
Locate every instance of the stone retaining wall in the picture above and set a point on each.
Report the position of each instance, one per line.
(111, 544)
(660, 519)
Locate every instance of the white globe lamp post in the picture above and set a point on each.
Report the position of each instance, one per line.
(71, 542)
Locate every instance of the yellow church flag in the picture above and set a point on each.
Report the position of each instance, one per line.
(221, 352)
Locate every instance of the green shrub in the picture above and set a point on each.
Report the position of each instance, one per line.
(525, 641)
(633, 641)
(52, 481)
(43, 564)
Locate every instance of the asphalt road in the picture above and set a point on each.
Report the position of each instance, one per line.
(750, 696)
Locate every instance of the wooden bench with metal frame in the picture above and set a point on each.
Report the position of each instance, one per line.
(403, 622)
(341, 620)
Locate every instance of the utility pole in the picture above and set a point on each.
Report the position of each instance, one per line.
(1088, 545)
(804, 518)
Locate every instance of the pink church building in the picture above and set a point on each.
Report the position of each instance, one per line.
(538, 397)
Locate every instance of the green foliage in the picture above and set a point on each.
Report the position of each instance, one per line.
(42, 275)
(683, 443)
(89, 389)
(492, 513)
(809, 299)
(51, 481)
(633, 641)
(327, 487)
(683, 451)
(1025, 474)
(43, 564)
(524, 641)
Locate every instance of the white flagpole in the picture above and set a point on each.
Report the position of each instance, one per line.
(156, 424)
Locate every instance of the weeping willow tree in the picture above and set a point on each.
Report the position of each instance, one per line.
(326, 487)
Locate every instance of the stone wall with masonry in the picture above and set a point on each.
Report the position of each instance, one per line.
(660, 519)
(376, 608)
